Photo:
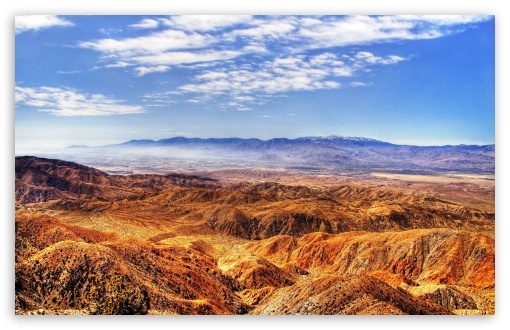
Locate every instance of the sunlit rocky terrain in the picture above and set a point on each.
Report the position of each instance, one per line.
(254, 240)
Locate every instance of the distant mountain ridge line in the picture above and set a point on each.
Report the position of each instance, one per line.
(304, 139)
(330, 151)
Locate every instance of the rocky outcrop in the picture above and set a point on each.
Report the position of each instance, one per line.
(450, 298)
(231, 221)
(349, 294)
(438, 256)
(59, 268)
(254, 272)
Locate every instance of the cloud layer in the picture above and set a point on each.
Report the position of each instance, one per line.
(25, 23)
(205, 38)
(67, 102)
(267, 54)
(298, 73)
(241, 60)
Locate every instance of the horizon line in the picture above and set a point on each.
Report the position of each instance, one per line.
(286, 138)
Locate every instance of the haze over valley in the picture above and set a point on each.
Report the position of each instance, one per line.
(329, 153)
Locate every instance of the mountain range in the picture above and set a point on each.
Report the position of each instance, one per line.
(327, 151)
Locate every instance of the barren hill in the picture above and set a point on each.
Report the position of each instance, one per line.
(432, 256)
(350, 295)
(61, 267)
(64, 268)
(88, 242)
(40, 180)
(246, 210)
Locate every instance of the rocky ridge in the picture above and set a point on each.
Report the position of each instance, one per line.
(182, 244)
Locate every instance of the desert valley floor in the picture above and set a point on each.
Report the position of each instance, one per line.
(252, 241)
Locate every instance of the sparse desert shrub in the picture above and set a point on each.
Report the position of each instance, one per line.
(119, 296)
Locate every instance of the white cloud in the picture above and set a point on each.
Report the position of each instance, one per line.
(68, 102)
(154, 43)
(109, 31)
(205, 22)
(371, 59)
(142, 71)
(238, 106)
(199, 41)
(119, 64)
(146, 24)
(159, 99)
(200, 65)
(212, 75)
(361, 30)
(37, 22)
(275, 28)
(252, 83)
(157, 95)
(175, 58)
(299, 73)
(309, 21)
(445, 19)
(69, 72)
(244, 98)
(357, 84)
(163, 48)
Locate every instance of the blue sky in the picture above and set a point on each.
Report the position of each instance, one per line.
(94, 80)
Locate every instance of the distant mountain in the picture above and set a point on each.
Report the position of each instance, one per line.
(239, 142)
(337, 151)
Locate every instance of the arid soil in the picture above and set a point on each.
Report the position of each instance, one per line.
(251, 242)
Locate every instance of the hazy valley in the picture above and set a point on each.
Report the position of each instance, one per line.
(331, 154)
(270, 237)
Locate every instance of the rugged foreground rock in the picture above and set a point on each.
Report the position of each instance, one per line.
(92, 243)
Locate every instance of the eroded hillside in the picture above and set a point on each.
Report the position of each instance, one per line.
(89, 242)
